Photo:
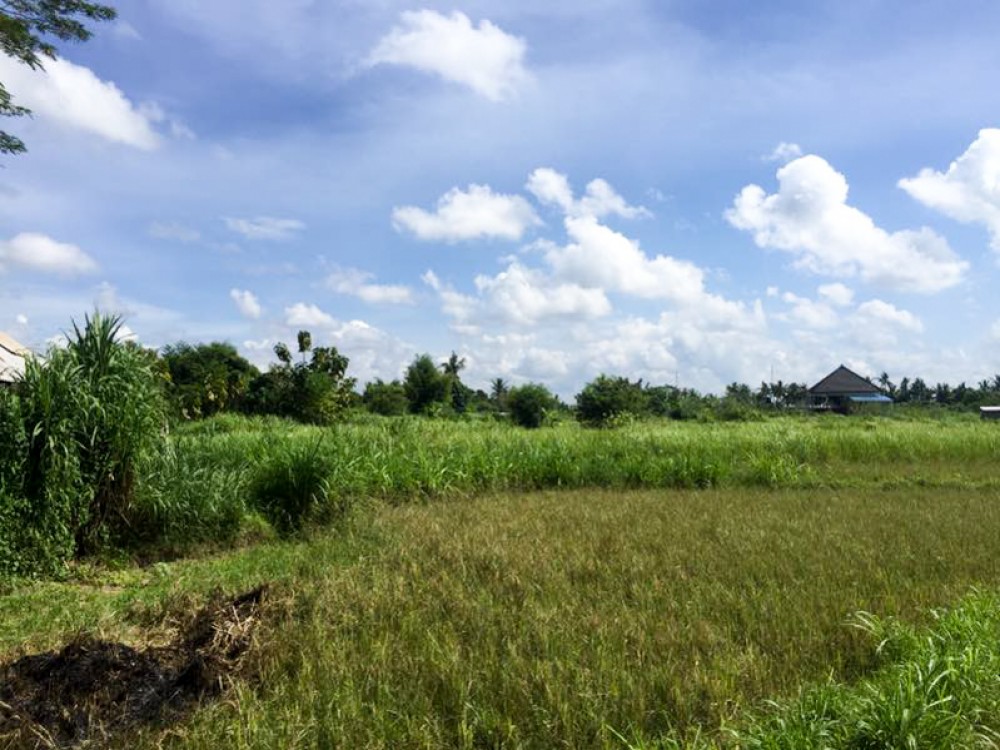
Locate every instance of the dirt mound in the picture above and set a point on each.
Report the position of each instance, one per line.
(92, 690)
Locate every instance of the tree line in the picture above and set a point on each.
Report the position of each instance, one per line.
(311, 384)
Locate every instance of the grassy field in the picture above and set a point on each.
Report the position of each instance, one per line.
(646, 587)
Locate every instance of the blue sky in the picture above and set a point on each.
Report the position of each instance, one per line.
(691, 192)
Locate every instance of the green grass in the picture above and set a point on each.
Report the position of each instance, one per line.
(649, 587)
(582, 619)
(405, 459)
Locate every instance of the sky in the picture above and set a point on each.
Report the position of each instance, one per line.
(693, 192)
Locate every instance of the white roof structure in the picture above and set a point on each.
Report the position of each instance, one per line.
(12, 356)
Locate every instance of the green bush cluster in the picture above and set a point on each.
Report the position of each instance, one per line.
(77, 430)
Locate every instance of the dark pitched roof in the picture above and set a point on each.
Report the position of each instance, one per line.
(844, 381)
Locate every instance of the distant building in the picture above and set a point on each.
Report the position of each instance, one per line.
(842, 389)
(989, 412)
(12, 356)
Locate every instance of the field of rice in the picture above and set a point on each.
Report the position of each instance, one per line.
(675, 585)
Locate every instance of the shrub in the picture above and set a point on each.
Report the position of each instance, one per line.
(387, 399)
(529, 404)
(427, 389)
(76, 431)
(292, 487)
(607, 397)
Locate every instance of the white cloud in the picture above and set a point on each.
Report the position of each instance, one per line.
(485, 58)
(465, 215)
(784, 152)
(519, 296)
(878, 312)
(74, 96)
(173, 231)
(246, 302)
(356, 283)
(810, 313)
(301, 314)
(599, 200)
(598, 256)
(525, 296)
(38, 252)
(970, 190)
(837, 294)
(265, 227)
(809, 217)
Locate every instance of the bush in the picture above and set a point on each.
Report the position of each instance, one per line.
(606, 397)
(292, 488)
(76, 432)
(529, 404)
(387, 399)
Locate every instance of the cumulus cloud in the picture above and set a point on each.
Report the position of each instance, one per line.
(301, 314)
(246, 303)
(599, 200)
(970, 190)
(598, 256)
(73, 96)
(357, 283)
(484, 58)
(809, 217)
(265, 227)
(519, 295)
(836, 294)
(882, 313)
(474, 213)
(810, 313)
(38, 252)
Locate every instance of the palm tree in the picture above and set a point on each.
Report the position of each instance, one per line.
(498, 391)
(453, 366)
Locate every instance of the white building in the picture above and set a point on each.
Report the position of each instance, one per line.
(12, 356)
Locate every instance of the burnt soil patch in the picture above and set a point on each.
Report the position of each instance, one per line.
(93, 690)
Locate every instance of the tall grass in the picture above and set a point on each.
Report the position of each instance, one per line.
(77, 428)
(404, 458)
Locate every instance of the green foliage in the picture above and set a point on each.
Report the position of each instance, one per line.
(292, 488)
(186, 497)
(387, 399)
(207, 378)
(936, 688)
(607, 397)
(316, 391)
(530, 403)
(81, 425)
(426, 389)
(26, 28)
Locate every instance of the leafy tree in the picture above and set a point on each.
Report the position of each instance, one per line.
(607, 397)
(206, 378)
(388, 399)
(317, 391)
(530, 403)
(424, 386)
(27, 28)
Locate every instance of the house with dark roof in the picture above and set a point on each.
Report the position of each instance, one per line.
(843, 389)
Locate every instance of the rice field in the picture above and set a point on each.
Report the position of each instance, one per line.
(654, 586)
